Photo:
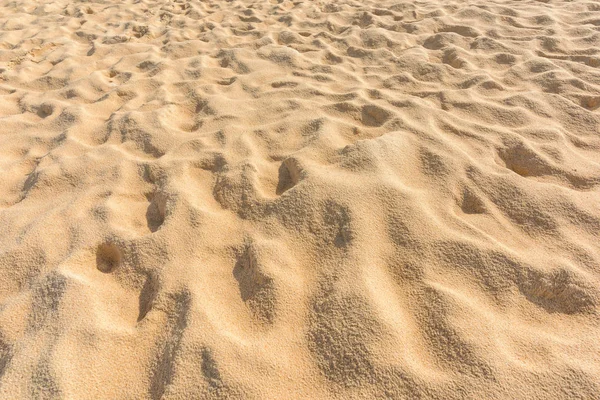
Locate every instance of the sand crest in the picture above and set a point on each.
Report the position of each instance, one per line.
(299, 199)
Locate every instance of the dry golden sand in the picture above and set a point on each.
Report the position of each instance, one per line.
(310, 199)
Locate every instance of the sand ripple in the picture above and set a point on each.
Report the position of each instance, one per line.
(299, 199)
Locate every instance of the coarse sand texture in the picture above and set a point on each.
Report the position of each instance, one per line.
(275, 199)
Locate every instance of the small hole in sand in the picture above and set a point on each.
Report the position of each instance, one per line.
(45, 110)
(591, 102)
(289, 175)
(108, 257)
(155, 214)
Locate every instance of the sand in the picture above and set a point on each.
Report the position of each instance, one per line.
(299, 199)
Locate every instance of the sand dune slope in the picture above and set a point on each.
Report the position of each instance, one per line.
(299, 199)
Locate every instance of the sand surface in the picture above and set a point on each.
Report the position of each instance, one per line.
(299, 199)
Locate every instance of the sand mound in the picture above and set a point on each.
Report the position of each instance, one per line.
(309, 199)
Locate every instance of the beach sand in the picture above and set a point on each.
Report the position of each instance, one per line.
(299, 199)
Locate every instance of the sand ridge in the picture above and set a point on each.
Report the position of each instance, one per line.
(299, 199)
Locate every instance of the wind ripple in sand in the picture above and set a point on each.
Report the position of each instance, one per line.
(223, 199)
